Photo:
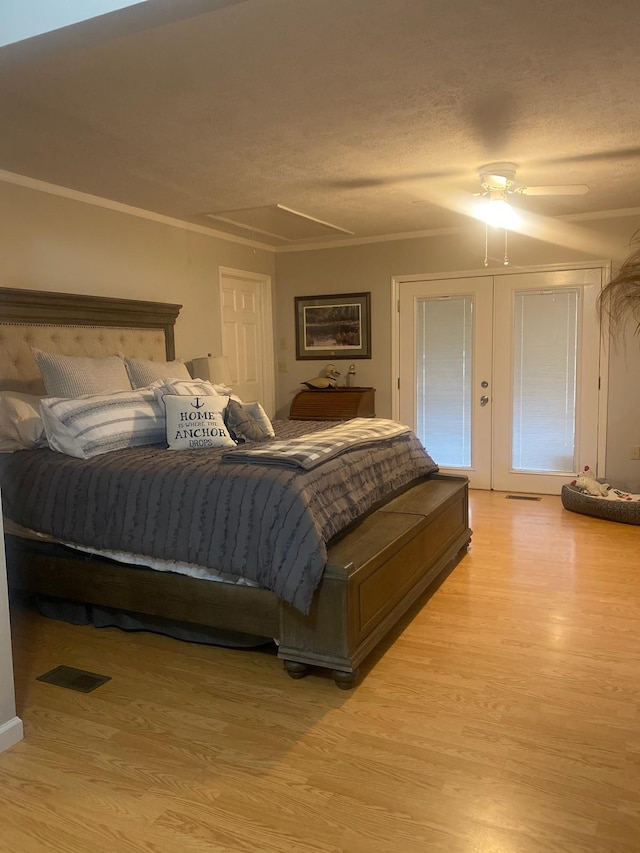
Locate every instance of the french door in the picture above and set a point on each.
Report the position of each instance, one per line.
(499, 375)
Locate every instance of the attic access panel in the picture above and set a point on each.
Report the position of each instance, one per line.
(276, 222)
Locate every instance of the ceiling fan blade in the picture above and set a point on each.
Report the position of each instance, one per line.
(597, 156)
(559, 232)
(388, 180)
(560, 189)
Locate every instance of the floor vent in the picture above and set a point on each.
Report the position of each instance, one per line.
(74, 679)
(523, 498)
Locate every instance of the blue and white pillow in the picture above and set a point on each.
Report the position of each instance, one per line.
(88, 426)
(191, 387)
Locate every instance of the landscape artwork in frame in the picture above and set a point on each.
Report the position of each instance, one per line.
(333, 326)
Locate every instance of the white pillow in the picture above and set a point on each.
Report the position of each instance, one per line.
(88, 426)
(21, 426)
(75, 376)
(143, 372)
(195, 423)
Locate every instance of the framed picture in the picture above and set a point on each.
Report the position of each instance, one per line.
(333, 326)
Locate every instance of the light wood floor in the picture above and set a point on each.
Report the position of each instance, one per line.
(503, 719)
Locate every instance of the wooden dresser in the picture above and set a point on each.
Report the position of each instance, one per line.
(333, 404)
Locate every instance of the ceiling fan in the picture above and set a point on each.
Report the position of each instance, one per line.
(497, 184)
(497, 180)
(498, 187)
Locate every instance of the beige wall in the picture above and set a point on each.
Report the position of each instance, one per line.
(10, 724)
(52, 243)
(371, 268)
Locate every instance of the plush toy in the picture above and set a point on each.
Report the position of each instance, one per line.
(588, 484)
(328, 378)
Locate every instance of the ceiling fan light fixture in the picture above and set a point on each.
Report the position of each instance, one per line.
(497, 213)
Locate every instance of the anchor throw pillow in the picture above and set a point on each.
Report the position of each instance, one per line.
(196, 423)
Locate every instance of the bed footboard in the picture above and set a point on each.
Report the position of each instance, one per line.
(374, 574)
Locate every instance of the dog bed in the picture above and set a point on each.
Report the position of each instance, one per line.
(627, 512)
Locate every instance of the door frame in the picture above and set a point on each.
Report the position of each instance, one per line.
(398, 280)
(263, 280)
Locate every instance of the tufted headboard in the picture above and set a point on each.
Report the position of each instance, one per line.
(70, 324)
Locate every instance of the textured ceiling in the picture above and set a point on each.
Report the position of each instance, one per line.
(371, 115)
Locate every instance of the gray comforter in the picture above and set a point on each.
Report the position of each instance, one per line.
(265, 523)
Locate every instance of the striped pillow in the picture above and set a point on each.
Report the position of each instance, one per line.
(91, 425)
(191, 387)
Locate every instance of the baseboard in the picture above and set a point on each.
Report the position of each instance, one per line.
(10, 733)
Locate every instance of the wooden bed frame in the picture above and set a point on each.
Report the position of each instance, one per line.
(375, 572)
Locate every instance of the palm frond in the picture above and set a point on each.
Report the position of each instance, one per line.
(619, 299)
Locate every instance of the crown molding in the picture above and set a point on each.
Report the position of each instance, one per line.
(108, 204)
(119, 207)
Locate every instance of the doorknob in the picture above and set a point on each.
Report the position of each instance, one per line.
(484, 400)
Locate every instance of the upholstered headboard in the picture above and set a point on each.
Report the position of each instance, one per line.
(70, 324)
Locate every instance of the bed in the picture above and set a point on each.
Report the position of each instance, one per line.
(373, 569)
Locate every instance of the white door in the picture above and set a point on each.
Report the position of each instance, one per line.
(445, 357)
(247, 337)
(500, 375)
(546, 381)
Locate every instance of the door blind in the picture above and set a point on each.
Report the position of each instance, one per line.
(444, 337)
(545, 327)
